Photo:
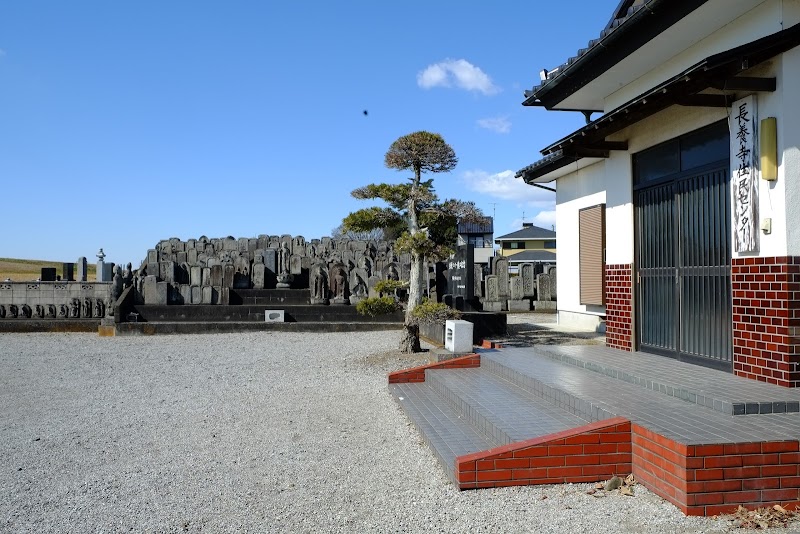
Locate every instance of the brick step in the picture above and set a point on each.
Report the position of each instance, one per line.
(471, 410)
(688, 382)
(501, 410)
(442, 428)
(570, 450)
(596, 397)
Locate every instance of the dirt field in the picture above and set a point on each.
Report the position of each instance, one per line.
(25, 270)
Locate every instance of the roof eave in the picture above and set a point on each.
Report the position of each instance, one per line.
(614, 45)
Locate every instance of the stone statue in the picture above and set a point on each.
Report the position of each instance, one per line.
(339, 285)
(116, 284)
(26, 311)
(140, 274)
(110, 308)
(319, 285)
(364, 262)
(63, 311)
(127, 276)
(87, 307)
(13, 311)
(51, 311)
(284, 258)
(360, 288)
(40, 311)
(392, 274)
(75, 309)
(2, 312)
(99, 308)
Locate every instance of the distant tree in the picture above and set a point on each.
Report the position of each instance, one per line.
(376, 234)
(430, 225)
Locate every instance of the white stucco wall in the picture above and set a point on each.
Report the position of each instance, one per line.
(581, 189)
(771, 195)
(789, 147)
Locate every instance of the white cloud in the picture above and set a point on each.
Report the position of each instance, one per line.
(545, 219)
(504, 186)
(537, 204)
(458, 73)
(496, 124)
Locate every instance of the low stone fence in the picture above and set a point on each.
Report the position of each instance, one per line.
(54, 300)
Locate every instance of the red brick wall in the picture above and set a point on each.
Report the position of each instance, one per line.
(588, 453)
(717, 478)
(417, 374)
(766, 316)
(619, 306)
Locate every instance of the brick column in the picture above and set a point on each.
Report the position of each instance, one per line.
(619, 309)
(766, 319)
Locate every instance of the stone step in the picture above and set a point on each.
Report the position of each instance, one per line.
(270, 297)
(446, 433)
(245, 313)
(563, 387)
(500, 409)
(184, 327)
(687, 382)
(597, 397)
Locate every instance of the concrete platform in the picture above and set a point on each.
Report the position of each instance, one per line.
(188, 327)
(49, 325)
(539, 415)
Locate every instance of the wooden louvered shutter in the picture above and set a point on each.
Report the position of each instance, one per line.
(592, 243)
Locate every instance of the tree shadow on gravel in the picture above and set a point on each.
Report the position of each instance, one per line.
(529, 335)
(394, 360)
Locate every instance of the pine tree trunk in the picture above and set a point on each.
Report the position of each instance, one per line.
(409, 342)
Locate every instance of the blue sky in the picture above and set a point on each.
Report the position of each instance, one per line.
(123, 123)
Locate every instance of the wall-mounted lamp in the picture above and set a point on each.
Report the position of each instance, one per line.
(769, 148)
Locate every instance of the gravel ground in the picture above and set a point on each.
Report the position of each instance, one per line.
(257, 432)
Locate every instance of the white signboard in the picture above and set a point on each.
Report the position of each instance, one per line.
(744, 180)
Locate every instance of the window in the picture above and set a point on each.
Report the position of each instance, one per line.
(476, 240)
(690, 151)
(514, 245)
(549, 244)
(592, 245)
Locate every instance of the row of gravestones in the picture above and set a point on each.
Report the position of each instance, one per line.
(535, 285)
(334, 270)
(87, 308)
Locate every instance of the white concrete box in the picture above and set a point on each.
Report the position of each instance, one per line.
(273, 316)
(458, 336)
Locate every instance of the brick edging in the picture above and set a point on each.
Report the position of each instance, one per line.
(587, 453)
(417, 374)
(717, 478)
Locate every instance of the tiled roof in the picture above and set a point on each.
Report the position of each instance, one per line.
(714, 71)
(615, 23)
(532, 255)
(529, 232)
(618, 20)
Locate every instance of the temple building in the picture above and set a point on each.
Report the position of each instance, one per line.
(677, 204)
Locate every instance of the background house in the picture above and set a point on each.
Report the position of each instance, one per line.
(479, 235)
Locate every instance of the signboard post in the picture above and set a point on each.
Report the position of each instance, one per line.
(744, 179)
(460, 276)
